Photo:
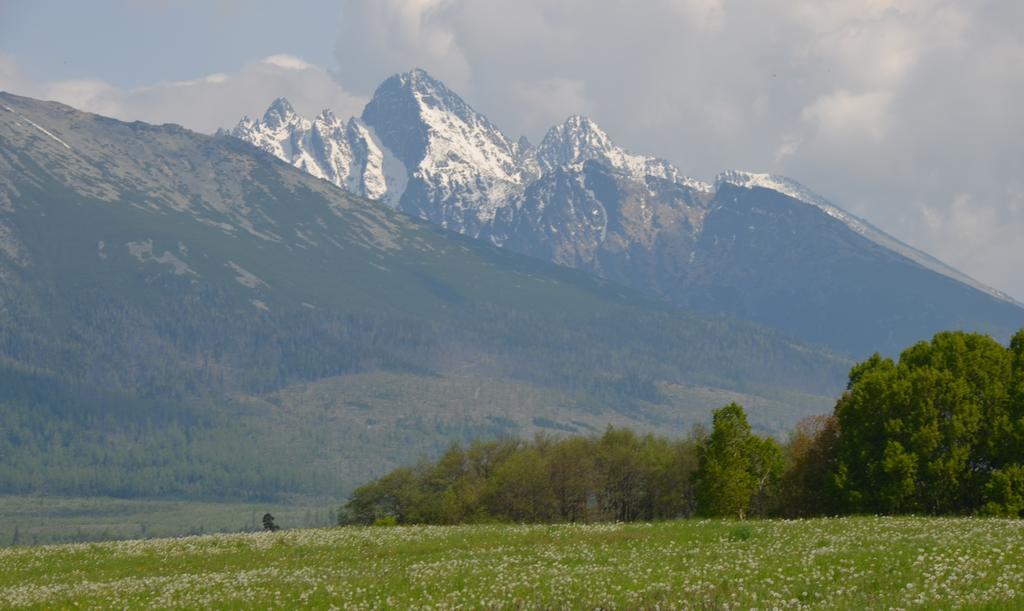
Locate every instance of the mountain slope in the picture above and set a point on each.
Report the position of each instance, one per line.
(763, 256)
(579, 200)
(800, 193)
(187, 315)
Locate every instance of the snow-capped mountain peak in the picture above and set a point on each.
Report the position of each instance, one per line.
(280, 113)
(773, 182)
(420, 81)
(576, 140)
(439, 120)
(327, 116)
(461, 162)
(580, 138)
(416, 135)
(795, 190)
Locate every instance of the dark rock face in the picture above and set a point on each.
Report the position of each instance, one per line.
(394, 114)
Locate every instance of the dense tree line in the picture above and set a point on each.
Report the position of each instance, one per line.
(618, 476)
(940, 431)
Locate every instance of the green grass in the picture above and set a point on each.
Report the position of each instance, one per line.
(34, 520)
(852, 563)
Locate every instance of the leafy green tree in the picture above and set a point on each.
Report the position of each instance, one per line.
(668, 468)
(1013, 438)
(767, 464)
(735, 466)
(1004, 492)
(807, 483)
(573, 476)
(620, 475)
(926, 433)
(454, 487)
(397, 494)
(521, 490)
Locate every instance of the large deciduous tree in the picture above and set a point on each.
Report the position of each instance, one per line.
(925, 434)
(736, 467)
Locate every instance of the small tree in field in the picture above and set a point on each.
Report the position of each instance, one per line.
(269, 524)
(734, 466)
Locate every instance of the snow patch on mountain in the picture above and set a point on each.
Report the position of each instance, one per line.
(38, 127)
(381, 175)
(460, 135)
(467, 154)
(247, 278)
(793, 189)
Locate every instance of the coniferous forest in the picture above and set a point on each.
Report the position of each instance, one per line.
(940, 431)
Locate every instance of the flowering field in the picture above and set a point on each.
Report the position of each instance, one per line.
(852, 563)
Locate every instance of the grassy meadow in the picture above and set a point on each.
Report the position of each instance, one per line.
(37, 520)
(844, 563)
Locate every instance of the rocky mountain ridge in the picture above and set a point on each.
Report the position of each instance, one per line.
(579, 200)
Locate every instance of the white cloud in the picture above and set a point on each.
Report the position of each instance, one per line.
(789, 146)
(11, 78)
(843, 117)
(396, 35)
(976, 234)
(552, 100)
(204, 104)
(290, 62)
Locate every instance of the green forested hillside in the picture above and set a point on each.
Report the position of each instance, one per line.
(184, 315)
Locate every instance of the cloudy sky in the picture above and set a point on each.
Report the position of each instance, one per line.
(906, 112)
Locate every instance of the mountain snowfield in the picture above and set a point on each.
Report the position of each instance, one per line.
(579, 200)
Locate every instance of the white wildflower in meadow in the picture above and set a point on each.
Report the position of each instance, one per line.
(848, 563)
